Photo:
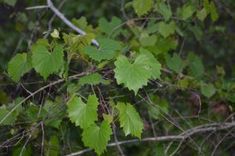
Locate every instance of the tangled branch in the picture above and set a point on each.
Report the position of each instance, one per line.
(51, 6)
(214, 127)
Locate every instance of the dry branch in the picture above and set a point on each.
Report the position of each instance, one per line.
(181, 137)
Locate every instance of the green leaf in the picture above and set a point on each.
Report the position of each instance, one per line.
(130, 119)
(166, 29)
(45, 62)
(147, 40)
(108, 27)
(165, 10)
(175, 63)
(10, 2)
(108, 49)
(136, 75)
(186, 11)
(208, 90)
(195, 65)
(83, 115)
(164, 45)
(142, 7)
(18, 66)
(76, 43)
(159, 108)
(92, 79)
(202, 14)
(22, 150)
(53, 147)
(54, 111)
(155, 66)
(97, 137)
(213, 12)
(10, 120)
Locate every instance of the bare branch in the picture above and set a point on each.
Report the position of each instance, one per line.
(51, 6)
(39, 90)
(37, 7)
(181, 137)
(67, 22)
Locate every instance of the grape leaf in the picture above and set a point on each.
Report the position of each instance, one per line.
(82, 114)
(45, 62)
(151, 61)
(108, 27)
(165, 10)
(142, 7)
(186, 11)
(164, 45)
(213, 12)
(195, 65)
(147, 40)
(135, 75)
(158, 108)
(18, 66)
(97, 137)
(107, 50)
(130, 119)
(53, 146)
(10, 2)
(175, 63)
(202, 14)
(54, 113)
(92, 79)
(10, 120)
(166, 29)
(208, 90)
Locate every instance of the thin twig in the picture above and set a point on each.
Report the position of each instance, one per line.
(43, 138)
(67, 22)
(52, 19)
(38, 91)
(37, 7)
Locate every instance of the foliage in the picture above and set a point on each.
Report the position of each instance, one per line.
(161, 67)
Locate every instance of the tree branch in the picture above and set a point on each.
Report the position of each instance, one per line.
(51, 6)
(181, 137)
(67, 22)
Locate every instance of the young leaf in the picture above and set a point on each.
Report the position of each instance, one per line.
(18, 66)
(136, 75)
(45, 62)
(130, 119)
(97, 137)
(107, 50)
(83, 115)
(142, 7)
